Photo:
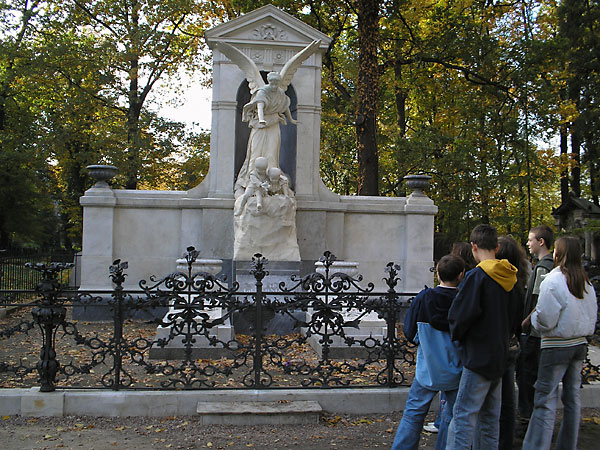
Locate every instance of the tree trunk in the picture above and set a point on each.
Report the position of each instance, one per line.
(400, 95)
(574, 95)
(592, 157)
(133, 112)
(367, 96)
(134, 142)
(575, 152)
(564, 174)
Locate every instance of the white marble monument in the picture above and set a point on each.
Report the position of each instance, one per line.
(268, 224)
(150, 229)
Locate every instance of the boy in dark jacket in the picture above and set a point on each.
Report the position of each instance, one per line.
(438, 361)
(539, 242)
(484, 315)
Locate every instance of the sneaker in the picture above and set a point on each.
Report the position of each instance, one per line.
(430, 427)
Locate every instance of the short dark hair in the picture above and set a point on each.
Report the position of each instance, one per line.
(485, 237)
(450, 267)
(544, 232)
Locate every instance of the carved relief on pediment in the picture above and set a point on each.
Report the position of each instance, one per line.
(270, 32)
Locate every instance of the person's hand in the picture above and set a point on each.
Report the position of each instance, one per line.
(262, 123)
(527, 321)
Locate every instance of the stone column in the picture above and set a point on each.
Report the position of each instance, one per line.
(420, 212)
(98, 228)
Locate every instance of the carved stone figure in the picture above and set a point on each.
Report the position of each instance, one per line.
(278, 183)
(258, 185)
(268, 107)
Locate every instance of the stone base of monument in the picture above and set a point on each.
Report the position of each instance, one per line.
(101, 309)
(279, 271)
(371, 327)
(201, 347)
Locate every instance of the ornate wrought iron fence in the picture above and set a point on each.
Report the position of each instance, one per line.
(190, 310)
(175, 333)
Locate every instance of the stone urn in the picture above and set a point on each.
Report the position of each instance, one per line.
(418, 183)
(101, 173)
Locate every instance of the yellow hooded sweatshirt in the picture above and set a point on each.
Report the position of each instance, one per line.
(501, 271)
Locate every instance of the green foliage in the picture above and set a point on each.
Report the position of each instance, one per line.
(470, 92)
(464, 99)
(75, 79)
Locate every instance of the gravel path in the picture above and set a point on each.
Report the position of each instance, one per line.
(332, 432)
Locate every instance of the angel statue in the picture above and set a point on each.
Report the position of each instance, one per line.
(268, 107)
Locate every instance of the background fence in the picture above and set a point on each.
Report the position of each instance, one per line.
(16, 276)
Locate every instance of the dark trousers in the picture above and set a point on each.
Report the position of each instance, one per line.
(507, 411)
(527, 369)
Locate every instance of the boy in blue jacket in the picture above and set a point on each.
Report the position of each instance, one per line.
(438, 363)
(484, 315)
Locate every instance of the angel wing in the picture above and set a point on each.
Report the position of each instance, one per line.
(255, 80)
(288, 71)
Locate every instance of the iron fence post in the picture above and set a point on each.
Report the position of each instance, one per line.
(259, 272)
(48, 316)
(117, 275)
(390, 319)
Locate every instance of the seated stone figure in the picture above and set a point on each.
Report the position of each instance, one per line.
(258, 184)
(278, 183)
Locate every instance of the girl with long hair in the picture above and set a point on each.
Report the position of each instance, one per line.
(565, 314)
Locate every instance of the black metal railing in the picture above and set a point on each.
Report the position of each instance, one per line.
(177, 332)
(15, 275)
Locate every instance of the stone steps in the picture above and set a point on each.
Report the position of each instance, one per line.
(259, 413)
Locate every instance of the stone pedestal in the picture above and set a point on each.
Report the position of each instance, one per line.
(201, 348)
(279, 271)
(270, 231)
(370, 326)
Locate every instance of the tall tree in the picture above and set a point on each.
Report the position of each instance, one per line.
(25, 202)
(367, 97)
(148, 40)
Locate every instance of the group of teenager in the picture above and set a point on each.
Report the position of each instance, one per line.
(489, 316)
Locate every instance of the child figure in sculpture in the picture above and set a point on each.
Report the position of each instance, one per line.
(278, 183)
(259, 185)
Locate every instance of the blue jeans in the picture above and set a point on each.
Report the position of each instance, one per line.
(507, 413)
(438, 419)
(417, 406)
(478, 399)
(556, 364)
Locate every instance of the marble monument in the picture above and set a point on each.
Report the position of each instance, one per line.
(150, 229)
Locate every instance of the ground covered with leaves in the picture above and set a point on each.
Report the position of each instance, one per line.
(82, 349)
(332, 432)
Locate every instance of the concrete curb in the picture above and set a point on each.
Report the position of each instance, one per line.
(31, 402)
